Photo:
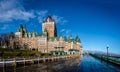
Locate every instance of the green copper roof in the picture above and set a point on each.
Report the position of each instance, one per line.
(70, 40)
(70, 37)
(51, 38)
(77, 39)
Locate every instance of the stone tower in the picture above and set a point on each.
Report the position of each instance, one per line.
(49, 25)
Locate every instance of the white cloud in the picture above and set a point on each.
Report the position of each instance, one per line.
(13, 10)
(68, 31)
(59, 19)
(62, 30)
(41, 15)
(65, 31)
(16, 15)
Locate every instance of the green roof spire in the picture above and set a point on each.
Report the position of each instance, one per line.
(70, 36)
(77, 39)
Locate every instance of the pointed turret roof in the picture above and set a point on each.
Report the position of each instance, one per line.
(77, 39)
(49, 19)
(20, 28)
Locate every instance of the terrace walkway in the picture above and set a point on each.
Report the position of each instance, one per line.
(111, 59)
(24, 61)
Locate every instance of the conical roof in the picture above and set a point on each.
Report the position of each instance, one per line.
(49, 19)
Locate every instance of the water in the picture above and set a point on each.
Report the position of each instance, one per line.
(84, 64)
(91, 64)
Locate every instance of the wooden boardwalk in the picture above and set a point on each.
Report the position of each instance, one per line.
(27, 61)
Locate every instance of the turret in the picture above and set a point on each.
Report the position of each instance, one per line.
(77, 39)
(21, 31)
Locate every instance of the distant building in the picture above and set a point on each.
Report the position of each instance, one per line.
(47, 41)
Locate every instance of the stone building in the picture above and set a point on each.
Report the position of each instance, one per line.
(48, 41)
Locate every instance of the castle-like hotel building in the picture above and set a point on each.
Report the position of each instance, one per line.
(48, 41)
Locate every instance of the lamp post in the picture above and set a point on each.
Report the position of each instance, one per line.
(107, 51)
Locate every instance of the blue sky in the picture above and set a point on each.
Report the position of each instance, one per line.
(96, 22)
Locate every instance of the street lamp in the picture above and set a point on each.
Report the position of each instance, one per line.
(107, 51)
